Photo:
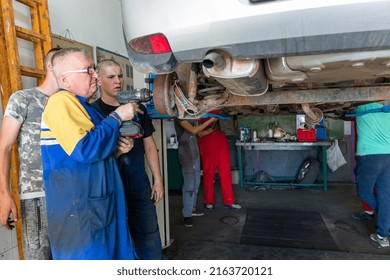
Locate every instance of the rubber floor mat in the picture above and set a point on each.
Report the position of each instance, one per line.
(286, 228)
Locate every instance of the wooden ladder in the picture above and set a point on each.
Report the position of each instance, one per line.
(11, 71)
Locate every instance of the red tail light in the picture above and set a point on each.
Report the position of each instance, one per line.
(151, 44)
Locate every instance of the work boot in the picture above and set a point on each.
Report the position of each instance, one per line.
(363, 216)
(209, 206)
(233, 206)
(187, 221)
(382, 241)
(197, 213)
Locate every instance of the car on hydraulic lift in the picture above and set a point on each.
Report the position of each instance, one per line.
(261, 56)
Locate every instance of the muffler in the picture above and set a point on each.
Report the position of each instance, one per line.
(239, 76)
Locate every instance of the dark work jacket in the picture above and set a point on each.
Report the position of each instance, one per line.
(132, 164)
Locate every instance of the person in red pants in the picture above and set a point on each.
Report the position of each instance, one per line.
(215, 154)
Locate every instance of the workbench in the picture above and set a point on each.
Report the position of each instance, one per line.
(320, 147)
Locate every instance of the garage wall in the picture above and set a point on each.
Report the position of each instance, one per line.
(93, 22)
(280, 163)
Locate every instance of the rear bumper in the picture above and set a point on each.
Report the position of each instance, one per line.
(284, 47)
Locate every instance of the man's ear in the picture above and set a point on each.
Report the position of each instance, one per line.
(63, 81)
(99, 81)
(49, 66)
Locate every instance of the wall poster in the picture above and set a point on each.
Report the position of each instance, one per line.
(58, 41)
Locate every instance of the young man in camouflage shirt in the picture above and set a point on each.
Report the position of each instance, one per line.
(22, 124)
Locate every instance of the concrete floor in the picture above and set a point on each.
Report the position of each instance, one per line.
(217, 234)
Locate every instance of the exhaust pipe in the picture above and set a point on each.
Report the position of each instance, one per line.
(214, 60)
(313, 115)
(241, 77)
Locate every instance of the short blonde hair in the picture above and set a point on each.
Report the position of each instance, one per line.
(106, 62)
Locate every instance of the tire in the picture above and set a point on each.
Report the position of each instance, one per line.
(308, 172)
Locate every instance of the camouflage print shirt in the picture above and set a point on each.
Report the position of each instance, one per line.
(26, 106)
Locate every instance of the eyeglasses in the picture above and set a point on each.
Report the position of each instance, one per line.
(89, 71)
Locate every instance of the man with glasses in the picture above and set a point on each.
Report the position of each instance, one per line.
(21, 125)
(86, 205)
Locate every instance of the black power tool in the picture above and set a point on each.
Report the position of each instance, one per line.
(133, 128)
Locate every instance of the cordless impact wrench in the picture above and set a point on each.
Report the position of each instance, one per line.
(133, 128)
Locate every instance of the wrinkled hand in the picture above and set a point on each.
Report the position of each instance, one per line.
(7, 207)
(128, 111)
(125, 144)
(157, 192)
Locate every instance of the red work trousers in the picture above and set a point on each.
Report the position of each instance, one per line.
(215, 154)
(367, 207)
